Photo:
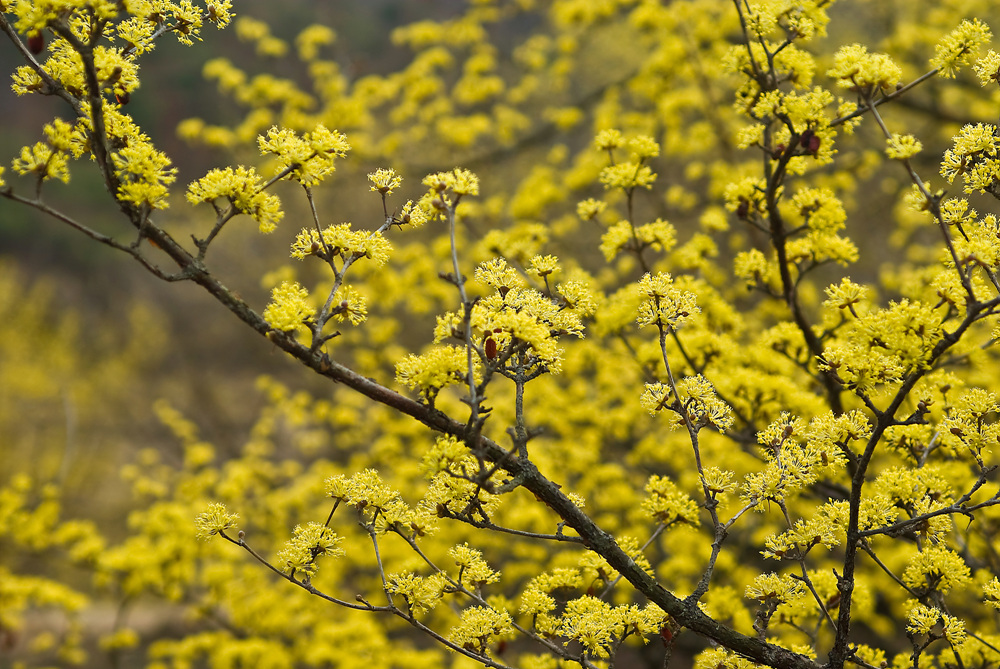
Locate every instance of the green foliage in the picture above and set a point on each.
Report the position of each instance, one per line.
(661, 402)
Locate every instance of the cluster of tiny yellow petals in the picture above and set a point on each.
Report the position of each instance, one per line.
(991, 592)
(590, 208)
(473, 570)
(644, 147)
(543, 266)
(308, 159)
(935, 568)
(289, 308)
(772, 588)
(627, 176)
(441, 366)
(857, 69)
(350, 305)
(308, 543)
(960, 46)
(341, 240)
(987, 68)
(519, 316)
(658, 235)
(845, 295)
(421, 593)
(923, 619)
(385, 181)
(213, 520)
(309, 41)
(479, 626)
(903, 147)
(699, 404)
(975, 157)
(665, 305)
(609, 140)
(668, 504)
(243, 188)
(41, 160)
(364, 489)
(143, 174)
(497, 274)
(459, 181)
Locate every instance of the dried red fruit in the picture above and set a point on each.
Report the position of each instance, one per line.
(814, 143)
(491, 348)
(36, 42)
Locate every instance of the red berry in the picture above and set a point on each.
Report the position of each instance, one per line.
(813, 144)
(491, 348)
(36, 42)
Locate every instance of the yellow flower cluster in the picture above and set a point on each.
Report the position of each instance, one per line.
(658, 235)
(143, 174)
(974, 157)
(243, 188)
(665, 304)
(422, 593)
(858, 70)
(960, 46)
(289, 309)
(343, 241)
(668, 504)
(214, 520)
(308, 543)
(903, 147)
(773, 588)
(309, 158)
(699, 403)
(440, 367)
(479, 627)
(473, 571)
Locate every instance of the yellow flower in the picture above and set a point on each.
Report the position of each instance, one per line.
(308, 543)
(666, 305)
(988, 68)
(214, 520)
(859, 70)
(590, 208)
(384, 181)
(289, 308)
(960, 46)
(902, 147)
(608, 140)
